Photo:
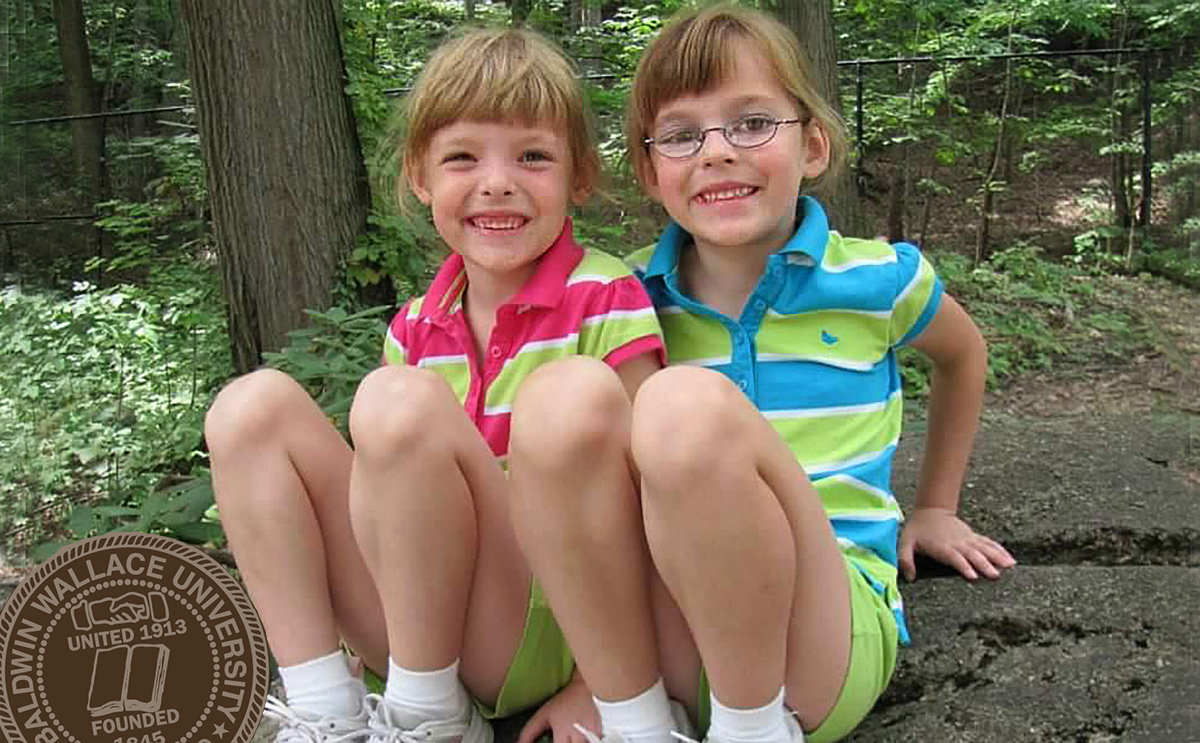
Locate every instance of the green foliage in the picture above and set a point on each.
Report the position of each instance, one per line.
(102, 396)
(1093, 250)
(332, 355)
(1033, 312)
(394, 249)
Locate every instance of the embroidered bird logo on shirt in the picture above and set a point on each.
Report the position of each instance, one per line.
(827, 338)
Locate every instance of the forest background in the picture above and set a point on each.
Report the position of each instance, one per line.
(191, 188)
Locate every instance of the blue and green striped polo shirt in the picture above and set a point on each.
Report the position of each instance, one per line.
(815, 350)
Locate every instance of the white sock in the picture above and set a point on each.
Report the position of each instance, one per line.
(761, 725)
(645, 718)
(323, 686)
(415, 697)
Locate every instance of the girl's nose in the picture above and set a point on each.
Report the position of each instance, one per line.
(496, 182)
(716, 147)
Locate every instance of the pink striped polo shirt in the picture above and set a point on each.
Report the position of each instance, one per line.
(577, 303)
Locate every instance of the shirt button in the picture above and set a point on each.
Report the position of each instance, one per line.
(760, 305)
(742, 385)
(496, 352)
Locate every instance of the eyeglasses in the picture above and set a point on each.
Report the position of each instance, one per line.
(746, 133)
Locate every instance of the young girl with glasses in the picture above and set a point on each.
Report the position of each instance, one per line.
(765, 448)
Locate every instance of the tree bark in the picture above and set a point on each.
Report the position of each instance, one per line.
(1119, 120)
(812, 22)
(520, 10)
(82, 97)
(983, 237)
(286, 178)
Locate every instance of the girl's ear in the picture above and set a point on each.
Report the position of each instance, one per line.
(585, 183)
(580, 194)
(415, 173)
(816, 149)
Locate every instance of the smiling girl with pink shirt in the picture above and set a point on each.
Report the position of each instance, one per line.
(417, 548)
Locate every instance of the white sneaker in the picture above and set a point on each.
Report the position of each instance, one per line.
(791, 721)
(298, 727)
(683, 728)
(382, 729)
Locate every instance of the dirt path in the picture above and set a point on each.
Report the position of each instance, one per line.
(1160, 374)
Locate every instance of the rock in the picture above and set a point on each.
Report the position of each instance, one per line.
(1059, 653)
(1093, 636)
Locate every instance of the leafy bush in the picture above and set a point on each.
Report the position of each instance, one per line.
(102, 398)
(332, 355)
(1033, 313)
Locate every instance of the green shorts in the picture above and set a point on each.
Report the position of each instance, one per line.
(873, 644)
(543, 663)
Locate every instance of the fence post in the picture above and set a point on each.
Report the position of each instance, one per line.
(1144, 216)
(860, 180)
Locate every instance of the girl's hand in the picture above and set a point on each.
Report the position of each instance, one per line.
(946, 538)
(573, 704)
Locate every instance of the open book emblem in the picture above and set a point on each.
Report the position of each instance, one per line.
(128, 678)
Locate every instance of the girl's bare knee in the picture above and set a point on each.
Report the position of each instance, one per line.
(252, 409)
(399, 409)
(567, 410)
(686, 421)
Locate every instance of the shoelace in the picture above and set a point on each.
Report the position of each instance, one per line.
(593, 738)
(382, 730)
(296, 729)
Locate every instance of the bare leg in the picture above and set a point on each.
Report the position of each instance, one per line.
(742, 543)
(428, 504)
(280, 474)
(575, 506)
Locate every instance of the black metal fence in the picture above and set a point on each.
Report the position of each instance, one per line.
(31, 219)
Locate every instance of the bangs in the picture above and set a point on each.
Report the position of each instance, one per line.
(700, 59)
(498, 77)
(521, 93)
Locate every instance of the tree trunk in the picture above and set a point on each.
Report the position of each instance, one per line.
(586, 15)
(469, 9)
(520, 10)
(285, 171)
(983, 237)
(896, 202)
(812, 22)
(1119, 120)
(87, 135)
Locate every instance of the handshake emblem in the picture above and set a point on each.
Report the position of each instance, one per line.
(127, 609)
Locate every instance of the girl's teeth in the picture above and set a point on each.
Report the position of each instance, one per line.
(509, 223)
(733, 193)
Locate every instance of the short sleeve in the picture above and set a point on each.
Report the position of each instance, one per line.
(395, 341)
(918, 293)
(619, 323)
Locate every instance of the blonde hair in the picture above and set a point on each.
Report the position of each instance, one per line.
(495, 75)
(695, 52)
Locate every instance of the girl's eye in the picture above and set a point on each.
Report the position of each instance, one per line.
(457, 157)
(679, 137)
(533, 156)
(754, 123)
